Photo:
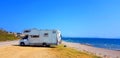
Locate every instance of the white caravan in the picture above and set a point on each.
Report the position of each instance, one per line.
(41, 37)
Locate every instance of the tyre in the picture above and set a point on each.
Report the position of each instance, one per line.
(44, 44)
(22, 44)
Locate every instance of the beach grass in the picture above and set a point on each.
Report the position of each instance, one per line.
(67, 52)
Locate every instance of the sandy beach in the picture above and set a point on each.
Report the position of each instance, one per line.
(104, 53)
(9, 50)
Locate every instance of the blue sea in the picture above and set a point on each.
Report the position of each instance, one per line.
(112, 44)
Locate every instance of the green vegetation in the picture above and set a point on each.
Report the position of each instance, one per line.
(4, 35)
(67, 52)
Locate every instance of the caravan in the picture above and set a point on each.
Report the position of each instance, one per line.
(41, 37)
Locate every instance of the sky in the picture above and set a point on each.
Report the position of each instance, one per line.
(74, 18)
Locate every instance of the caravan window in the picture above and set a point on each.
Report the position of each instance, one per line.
(54, 31)
(45, 34)
(34, 36)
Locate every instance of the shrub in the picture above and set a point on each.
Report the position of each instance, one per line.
(4, 35)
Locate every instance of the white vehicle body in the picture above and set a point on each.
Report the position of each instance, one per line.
(41, 37)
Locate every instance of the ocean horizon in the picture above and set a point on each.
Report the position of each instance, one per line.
(107, 43)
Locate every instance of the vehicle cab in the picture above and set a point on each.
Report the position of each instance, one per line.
(24, 41)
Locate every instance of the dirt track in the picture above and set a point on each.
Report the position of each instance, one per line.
(11, 49)
(8, 43)
(26, 52)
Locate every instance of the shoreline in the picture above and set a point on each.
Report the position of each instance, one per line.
(97, 47)
(104, 53)
(93, 46)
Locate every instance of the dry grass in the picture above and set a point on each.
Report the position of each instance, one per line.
(41, 52)
(66, 52)
(5, 36)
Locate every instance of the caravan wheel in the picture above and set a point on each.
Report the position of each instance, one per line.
(44, 44)
(22, 44)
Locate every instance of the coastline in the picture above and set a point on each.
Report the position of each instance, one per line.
(104, 53)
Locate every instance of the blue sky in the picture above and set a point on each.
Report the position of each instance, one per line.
(75, 18)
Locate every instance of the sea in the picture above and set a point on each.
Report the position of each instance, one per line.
(107, 43)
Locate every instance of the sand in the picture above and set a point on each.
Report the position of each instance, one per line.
(11, 49)
(104, 53)
(8, 43)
